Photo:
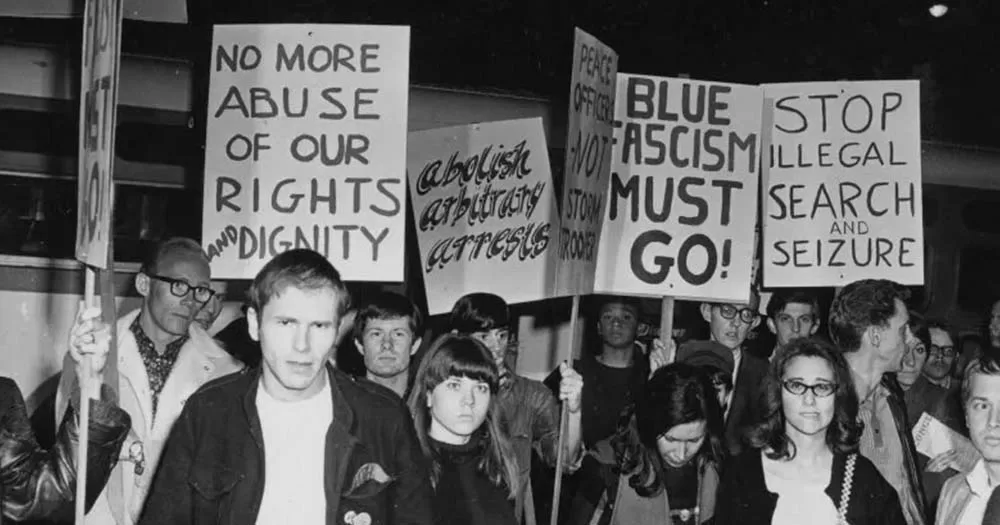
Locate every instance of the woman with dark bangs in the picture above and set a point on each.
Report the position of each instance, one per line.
(668, 450)
(473, 468)
(804, 466)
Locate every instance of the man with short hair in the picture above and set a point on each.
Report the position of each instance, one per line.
(294, 440)
(964, 497)
(792, 313)
(729, 325)
(163, 357)
(386, 333)
(940, 356)
(869, 322)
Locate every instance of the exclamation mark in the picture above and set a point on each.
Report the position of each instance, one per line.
(726, 248)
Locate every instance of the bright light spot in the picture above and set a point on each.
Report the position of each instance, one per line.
(938, 10)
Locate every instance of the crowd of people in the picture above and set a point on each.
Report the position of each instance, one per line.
(259, 425)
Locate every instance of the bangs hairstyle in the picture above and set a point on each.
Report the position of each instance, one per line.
(462, 356)
(300, 268)
(677, 394)
(172, 247)
(388, 305)
(861, 305)
(478, 312)
(844, 432)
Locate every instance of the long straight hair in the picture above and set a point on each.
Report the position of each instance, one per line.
(461, 356)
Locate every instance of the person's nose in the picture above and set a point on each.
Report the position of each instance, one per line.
(301, 342)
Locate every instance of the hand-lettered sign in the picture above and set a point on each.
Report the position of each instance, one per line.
(843, 197)
(306, 147)
(683, 197)
(102, 28)
(484, 210)
(588, 163)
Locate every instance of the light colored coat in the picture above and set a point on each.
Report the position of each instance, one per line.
(200, 360)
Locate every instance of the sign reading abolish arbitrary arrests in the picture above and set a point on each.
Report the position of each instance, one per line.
(683, 196)
(484, 210)
(588, 163)
(102, 27)
(843, 197)
(306, 147)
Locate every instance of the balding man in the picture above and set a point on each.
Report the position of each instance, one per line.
(163, 357)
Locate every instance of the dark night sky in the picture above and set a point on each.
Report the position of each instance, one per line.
(525, 45)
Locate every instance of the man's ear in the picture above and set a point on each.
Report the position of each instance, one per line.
(706, 312)
(874, 336)
(814, 329)
(142, 284)
(416, 345)
(772, 327)
(360, 347)
(755, 323)
(253, 324)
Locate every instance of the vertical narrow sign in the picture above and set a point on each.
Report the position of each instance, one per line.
(588, 163)
(100, 63)
(102, 26)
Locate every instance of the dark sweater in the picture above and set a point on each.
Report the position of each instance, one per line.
(464, 495)
(745, 500)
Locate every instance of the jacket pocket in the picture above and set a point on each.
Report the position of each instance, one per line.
(212, 488)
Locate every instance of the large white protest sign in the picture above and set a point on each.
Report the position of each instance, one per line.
(306, 147)
(484, 211)
(843, 198)
(683, 196)
(101, 58)
(588, 163)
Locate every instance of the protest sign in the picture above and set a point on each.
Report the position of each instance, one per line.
(683, 196)
(842, 199)
(306, 147)
(484, 211)
(588, 163)
(101, 58)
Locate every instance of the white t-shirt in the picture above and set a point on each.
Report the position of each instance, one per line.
(294, 458)
(800, 501)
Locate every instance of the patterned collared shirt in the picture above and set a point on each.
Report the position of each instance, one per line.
(158, 366)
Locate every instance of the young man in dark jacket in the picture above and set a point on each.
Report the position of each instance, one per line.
(293, 441)
(36, 484)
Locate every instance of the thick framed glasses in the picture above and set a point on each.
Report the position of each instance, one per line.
(947, 352)
(180, 288)
(798, 388)
(730, 312)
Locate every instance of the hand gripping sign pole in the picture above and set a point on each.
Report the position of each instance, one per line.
(102, 22)
(585, 185)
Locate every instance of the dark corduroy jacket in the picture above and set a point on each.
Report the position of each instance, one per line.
(212, 470)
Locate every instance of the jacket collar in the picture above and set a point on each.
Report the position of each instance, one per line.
(343, 425)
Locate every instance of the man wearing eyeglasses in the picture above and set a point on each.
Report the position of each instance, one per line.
(940, 357)
(792, 313)
(163, 357)
(729, 325)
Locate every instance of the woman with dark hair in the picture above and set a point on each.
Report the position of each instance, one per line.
(474, 470)
(804, 466)
(668, 449)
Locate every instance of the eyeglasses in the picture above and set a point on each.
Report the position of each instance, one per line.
(729, 312)
(180, 288)
(947, 352)
(798, 388)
